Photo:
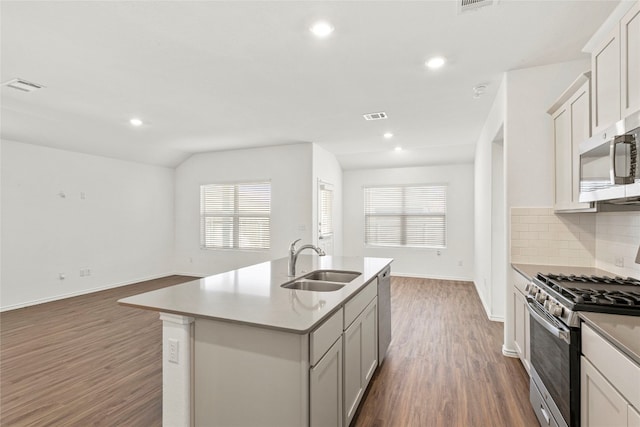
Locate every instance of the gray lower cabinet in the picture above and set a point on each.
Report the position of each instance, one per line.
(326, 389)
(360, 358)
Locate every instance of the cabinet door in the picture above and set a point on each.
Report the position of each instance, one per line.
(605, 79)
(630, 61)
(519, 315)
(360, 357)
(633, 417)
(580, 109)
(369, 341)
(352, 374)
(562, 140)
(326, 389)
(601, 405)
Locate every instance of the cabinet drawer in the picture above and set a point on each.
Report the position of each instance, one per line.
(617, 368)
(323, 337)
(357, 304)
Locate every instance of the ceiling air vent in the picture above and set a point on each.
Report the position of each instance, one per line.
(23, 85)
(468, 5)
(375, 116)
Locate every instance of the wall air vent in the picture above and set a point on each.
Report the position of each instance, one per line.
(469, 5)
(375, 116)
(23, 85)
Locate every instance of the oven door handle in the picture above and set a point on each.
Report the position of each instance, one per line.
(555, 331)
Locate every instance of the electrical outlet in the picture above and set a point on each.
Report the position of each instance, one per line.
(61, 276)
(174, 347)
(82, 272)
(619, 261)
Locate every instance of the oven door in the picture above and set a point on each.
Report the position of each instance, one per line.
(554, 353)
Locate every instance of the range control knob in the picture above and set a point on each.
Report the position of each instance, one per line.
(556, 310)
(541, 297)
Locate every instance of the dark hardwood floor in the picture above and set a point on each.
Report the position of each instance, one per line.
(445, 365)
(88, 361)
(83, 361)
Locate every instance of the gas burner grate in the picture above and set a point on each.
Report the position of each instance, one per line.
(604, 297)
(550, 278)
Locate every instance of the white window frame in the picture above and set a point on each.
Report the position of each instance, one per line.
(235, 215)
(325, 213)
(402, 214)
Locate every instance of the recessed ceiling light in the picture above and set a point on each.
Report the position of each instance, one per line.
(435, 62)
(398, 148)
(321, 29)
(388, 135)
(135, 122)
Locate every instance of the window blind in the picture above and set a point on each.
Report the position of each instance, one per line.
(414, 216)
(235, 216)
(326, 210)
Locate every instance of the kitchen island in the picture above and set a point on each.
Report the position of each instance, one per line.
(239, 349)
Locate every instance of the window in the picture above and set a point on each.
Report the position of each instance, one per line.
(235, 216)
(413, 216)
(325, 222)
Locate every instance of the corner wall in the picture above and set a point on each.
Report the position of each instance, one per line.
(66, 213)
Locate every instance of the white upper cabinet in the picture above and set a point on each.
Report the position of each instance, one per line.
(615, 66)
(630, 61)
(571, 117)
(605, 65)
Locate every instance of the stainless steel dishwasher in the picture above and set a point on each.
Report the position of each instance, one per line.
(384, 312)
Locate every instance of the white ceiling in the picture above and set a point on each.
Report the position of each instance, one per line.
(219, 75)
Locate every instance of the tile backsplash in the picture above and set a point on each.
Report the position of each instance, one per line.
(605, 240)
(538, 236)
(617, 241)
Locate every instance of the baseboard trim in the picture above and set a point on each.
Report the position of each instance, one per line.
(508, 352)
(84, 292)
(430, 276)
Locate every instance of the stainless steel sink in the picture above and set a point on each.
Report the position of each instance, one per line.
(313, 285)
(322, 280)
(332, 275)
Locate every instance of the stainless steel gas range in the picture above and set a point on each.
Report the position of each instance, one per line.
(554, 302)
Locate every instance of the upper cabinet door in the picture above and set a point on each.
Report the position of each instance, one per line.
(605, 79)
(630, 61)
(571, 115)
(580, 109)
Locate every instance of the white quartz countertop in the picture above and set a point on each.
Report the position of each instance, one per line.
(622, 331)
(253, 295)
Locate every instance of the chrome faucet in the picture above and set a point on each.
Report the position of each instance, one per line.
(293, 255)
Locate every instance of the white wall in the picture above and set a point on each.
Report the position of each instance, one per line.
(288, 167)
(528, 131)
(414, 261)
(326, 168)
(122, 230)
(484, 180)
(520, 109)
(618, 239)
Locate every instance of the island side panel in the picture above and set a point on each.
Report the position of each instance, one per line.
(248, 376)
(177, 370)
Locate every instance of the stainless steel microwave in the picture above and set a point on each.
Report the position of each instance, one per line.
(609, 169)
